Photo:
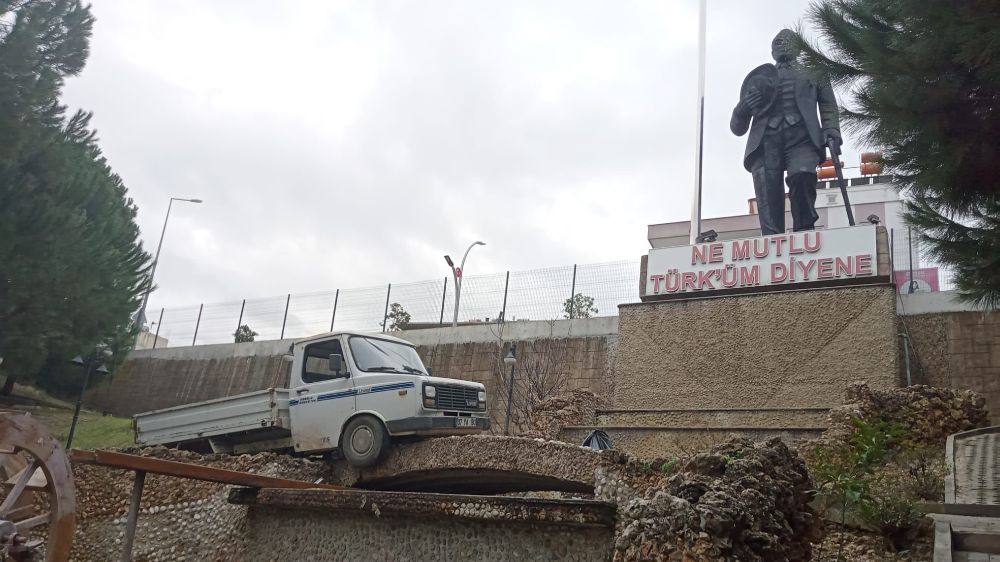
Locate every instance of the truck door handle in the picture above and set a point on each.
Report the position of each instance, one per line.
(301, 390)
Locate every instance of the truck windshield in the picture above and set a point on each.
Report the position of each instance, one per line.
(375, 355)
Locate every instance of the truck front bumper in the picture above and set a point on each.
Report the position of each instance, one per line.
(435, 425)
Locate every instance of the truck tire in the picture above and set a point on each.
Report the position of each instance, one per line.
(364, 441)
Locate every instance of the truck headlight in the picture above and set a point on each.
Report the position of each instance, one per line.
(430, 391)
(482, 396)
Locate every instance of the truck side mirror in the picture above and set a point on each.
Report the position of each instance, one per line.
(336, 363)
(429, 373)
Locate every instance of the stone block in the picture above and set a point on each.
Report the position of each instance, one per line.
(784, 349)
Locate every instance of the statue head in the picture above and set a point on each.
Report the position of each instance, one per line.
(784, 47)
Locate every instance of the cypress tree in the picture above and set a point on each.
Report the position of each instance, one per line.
(922, 84)
(71, 266)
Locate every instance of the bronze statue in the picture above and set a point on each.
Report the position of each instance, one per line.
(785, 135)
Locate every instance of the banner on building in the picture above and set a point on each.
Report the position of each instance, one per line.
(925, 280)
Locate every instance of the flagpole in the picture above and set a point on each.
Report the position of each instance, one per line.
(699, 139)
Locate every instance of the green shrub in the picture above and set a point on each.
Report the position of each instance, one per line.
(872, 476)
(889, 505)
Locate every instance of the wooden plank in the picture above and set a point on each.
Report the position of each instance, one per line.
(969, 509)
(193, 471)
(964, 523)
(986, 543)
(942, 542)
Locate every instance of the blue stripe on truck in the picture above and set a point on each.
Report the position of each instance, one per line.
(363, 390)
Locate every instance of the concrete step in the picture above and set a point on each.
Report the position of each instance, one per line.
(814, 418)
(666, 442)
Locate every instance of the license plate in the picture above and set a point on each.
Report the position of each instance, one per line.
(465, 422)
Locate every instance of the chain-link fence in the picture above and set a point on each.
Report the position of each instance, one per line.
(539, 294)
(914, 270)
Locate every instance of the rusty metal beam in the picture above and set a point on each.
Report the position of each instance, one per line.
(133, 515)
(193, 471)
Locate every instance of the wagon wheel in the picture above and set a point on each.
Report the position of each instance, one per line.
(46, 472)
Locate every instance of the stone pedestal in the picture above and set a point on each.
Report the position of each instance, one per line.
(758, 360)
(773, 350)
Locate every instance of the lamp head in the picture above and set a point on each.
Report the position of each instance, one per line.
(448, 259)
(480, 243)
(78, 360)
(510, 358)
(102, 369)
(194, 200)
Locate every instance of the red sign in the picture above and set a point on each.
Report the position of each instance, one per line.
(458, 272)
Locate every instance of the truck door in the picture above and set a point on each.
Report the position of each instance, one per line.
(323, 400)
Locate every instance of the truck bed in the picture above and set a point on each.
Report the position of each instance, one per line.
(260, 415)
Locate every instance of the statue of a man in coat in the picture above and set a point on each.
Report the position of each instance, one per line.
(778, 106)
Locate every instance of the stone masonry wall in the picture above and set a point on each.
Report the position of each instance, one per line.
(958, 350)
(791, 349)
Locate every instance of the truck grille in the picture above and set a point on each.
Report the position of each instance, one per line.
(456, 398)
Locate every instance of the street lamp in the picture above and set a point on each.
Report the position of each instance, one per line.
(511, 361)
(141, 317)
(100, 351)
(456, 272)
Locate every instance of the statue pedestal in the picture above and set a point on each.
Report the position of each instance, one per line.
(753, 360)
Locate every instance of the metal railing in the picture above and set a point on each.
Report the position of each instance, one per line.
(914, 269)
(540, 294)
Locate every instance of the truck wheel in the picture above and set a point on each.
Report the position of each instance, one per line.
(364, 441)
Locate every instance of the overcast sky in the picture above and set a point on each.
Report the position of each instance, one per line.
(347, 144)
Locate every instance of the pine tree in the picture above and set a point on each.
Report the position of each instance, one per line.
(922, 81)
(71, 266)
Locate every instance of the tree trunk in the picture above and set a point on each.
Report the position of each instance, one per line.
(8, 385)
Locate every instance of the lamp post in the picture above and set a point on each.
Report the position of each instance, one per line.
(457, 272)
(99, 351)
(141, 317)
(511, 361)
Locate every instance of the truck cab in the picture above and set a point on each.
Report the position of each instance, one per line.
(356, 392)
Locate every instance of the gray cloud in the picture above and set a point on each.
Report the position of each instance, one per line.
(350, 144)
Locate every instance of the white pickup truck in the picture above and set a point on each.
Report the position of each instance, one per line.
(351, 392)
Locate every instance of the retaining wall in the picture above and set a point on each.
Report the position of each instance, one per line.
(953, 345)
(578, 351)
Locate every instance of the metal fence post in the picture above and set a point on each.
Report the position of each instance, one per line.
(159, 323)
(284, 320)
(198, 323)
(336, 298)
(444, 294)
(385, 313)
(572, 294)
(892, 253)
(240, 321)
(909, 238)
(503, 311)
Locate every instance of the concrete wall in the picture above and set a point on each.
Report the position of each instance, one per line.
(953, 346)
(150, 379)
(790, 349)
(576, 351)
